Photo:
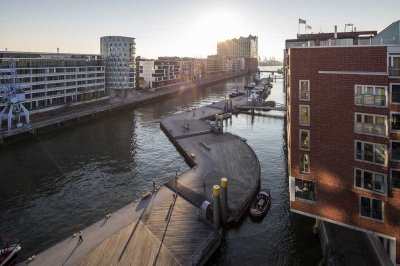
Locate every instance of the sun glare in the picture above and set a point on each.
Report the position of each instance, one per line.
(214, 26)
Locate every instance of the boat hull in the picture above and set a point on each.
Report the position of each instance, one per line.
(261, 204)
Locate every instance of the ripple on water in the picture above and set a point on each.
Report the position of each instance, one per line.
(61, 182)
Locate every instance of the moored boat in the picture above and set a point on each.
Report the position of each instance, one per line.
(250, 86)
(226, 115)
(261, 203)
(235, 94)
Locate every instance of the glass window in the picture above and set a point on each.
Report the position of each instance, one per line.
(372, 208)
(376, 209)
(304, 90)
(395, 93)
(304, 164)
(369, 119)
(305, 189)
(304, 139)
(370, 95)
(358, 177)
(368, 180)
(365, 207)
(359, 151)
(371, 152)
(368, 152)
(395, 119)
(304, 115)
(395, 151)
(395, 174)
(395, 66)
(379, 183)
(379, 154)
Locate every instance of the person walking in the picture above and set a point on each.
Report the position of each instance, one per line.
(80, 240)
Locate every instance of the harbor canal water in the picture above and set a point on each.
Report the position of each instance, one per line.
(62, 182)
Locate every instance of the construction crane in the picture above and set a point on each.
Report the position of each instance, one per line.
(13, 95)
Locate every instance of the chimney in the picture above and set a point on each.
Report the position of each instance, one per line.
(58, 50)
(335, 32)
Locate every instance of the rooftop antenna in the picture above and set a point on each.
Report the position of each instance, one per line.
(350, 25)
(335, 35)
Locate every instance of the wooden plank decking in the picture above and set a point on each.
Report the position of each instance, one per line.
(167, 230)
(142, 249)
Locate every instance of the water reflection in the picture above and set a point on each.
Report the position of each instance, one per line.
(59, 183)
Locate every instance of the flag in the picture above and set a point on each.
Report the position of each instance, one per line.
(308, 27)
(302, 21)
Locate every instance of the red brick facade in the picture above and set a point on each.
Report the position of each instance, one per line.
(332, 160)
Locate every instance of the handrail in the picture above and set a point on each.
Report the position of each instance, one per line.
(199, 252)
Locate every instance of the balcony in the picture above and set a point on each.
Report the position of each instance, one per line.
(371, 100)
(305, 190)
(376, 157)
(373, 129)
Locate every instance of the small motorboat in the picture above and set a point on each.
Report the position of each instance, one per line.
(226, 115)
(261, 203)
(235, 94)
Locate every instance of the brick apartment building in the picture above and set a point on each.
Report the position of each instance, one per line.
(343, 124)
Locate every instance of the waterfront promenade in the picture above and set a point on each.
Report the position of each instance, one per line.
(165, 229)
(79, 114)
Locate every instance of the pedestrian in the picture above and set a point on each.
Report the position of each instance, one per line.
(80, 239)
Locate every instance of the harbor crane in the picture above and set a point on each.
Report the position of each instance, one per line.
(13, 96)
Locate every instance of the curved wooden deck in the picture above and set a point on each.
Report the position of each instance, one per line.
(163, 229)
(213, 156)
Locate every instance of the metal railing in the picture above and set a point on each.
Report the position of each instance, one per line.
(368, 128)
(305, 195)
(201, 250)
(371, 156)
(367, 99)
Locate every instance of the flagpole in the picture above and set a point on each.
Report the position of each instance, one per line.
(298, 32)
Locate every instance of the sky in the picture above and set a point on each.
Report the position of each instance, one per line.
(178, 27)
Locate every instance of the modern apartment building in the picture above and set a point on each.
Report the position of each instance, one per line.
(119, 56)
(157, 73)
(214, 65)
(243, 47)
(52, 80)
(166, 71)
(343, 128)
(191, 69)
(145, 73)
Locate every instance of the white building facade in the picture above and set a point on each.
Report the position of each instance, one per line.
(146, 73)
(119, 56)
(55, 80)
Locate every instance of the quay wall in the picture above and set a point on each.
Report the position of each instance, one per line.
(53, 122)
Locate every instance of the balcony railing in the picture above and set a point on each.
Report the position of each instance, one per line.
(367, 128)
(373, 100)
(370, 156)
